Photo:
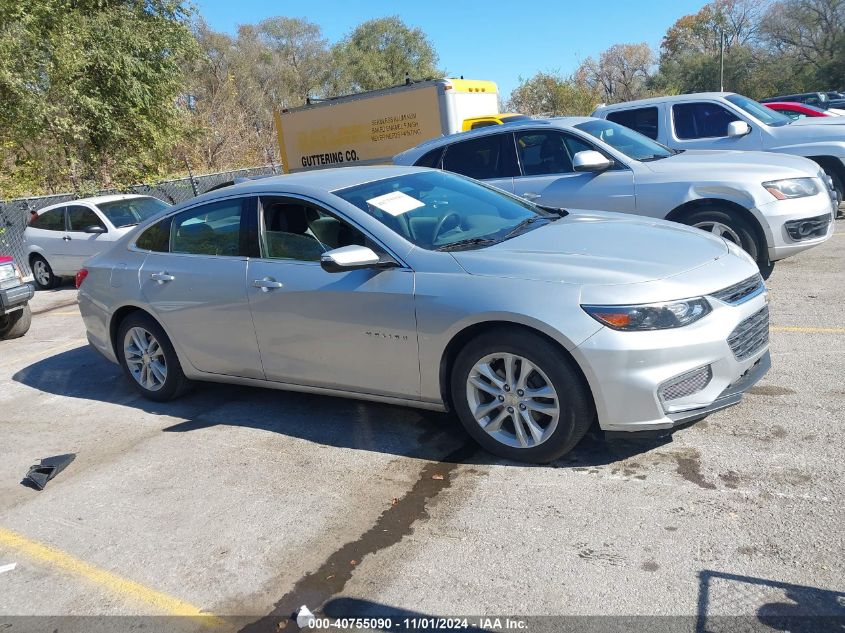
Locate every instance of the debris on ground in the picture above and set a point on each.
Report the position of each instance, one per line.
(304, 617)
(9, 567)
(40, 474)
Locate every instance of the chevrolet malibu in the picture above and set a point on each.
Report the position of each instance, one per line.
(427, 289)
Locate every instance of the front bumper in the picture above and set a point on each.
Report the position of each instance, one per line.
(625, 370)
(775, 215)
(16, 297)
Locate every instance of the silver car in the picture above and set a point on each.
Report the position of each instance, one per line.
(773, 205)
(423, 288)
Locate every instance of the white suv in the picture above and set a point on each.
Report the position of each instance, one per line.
(62, 236)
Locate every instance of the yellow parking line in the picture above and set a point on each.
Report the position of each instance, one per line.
(65, 314)
(808, 330)
(112, 582)
(44, 352)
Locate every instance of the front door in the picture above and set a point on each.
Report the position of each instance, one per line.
(353, 330)
(79, 245)
(548, 178)
(198, 289)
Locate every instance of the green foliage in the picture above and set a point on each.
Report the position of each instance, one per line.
(551, 94)
(88, 91)
(379, 53)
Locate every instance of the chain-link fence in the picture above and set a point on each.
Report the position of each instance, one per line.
(15, 214)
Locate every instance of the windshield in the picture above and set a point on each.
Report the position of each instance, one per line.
(625, 140)
(759, 111)
(440, 211)
(132, 211)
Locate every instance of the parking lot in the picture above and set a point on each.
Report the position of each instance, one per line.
(244, 504)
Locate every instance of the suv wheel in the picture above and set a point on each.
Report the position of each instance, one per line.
(15, 324)
(729, 226)
(519, 397)
(148, 358)
(43, 274)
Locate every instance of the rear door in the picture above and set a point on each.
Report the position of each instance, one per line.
(197, 288)
(490, 158)
(545, 158)
(79, 245)
(44, 236)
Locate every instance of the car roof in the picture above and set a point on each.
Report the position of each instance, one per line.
(561, 122)
(694, 96)
(94, 200)
(307, 182)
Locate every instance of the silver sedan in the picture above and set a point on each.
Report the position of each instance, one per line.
(428, 289)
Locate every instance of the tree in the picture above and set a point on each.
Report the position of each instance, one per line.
(88, 90)
(550, 94)
(621, 73)
(381, 53)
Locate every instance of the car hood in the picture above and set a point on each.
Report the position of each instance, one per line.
(713, 164)
(796, 133)
(592, 247)
(819, 120)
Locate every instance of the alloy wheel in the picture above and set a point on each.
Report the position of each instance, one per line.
(512, 400)
(40, 272)
(720, 230)
(145, 358)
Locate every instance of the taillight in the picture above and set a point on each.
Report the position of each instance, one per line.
(80, 276)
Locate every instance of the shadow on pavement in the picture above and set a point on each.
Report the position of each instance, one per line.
(340, 422)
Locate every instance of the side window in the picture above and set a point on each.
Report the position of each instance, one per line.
(575, 145)
(302, 232)
(701, 120)
(79, 218)
(430, 159)
(156, 238)
(480, 124)
(53, 220)
(486, 157)
(643, 120)
(210, 229)
(543, 153)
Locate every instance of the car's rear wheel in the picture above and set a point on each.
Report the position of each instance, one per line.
(43, 274)
(519, 397)
(148, 358)
(15, 324)
(733, 228)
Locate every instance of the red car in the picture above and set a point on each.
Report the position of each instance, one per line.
(15, 315)
(795, 110)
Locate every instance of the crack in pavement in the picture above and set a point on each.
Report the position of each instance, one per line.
(316, 588)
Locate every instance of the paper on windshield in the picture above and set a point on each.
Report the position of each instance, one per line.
(395, 203)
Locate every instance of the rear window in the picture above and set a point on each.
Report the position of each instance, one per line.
(132, 211)
(643, 120)
(53, 220)
(430, 159)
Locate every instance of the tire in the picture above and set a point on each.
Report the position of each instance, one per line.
(156, 372)
(731, 226)
(15, 324)
(43, 274)
(839, 186)
(555, 435)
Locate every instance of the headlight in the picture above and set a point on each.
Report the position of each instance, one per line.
(792, 188)
(7, 271)
(652, 316)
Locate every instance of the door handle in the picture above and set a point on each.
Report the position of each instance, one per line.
(67, 238)
(529, 195)
(267, 284)
(162, 278)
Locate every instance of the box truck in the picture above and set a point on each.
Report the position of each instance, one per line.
(369, 128)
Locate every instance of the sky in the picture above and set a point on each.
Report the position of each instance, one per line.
(499, 41)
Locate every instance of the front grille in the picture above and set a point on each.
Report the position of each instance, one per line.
(743, 291)
(808, 228)
(751, 335)
(685, 384)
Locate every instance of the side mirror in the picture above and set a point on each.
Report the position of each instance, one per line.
(348, 258)
(94, 228)
(738, 128)
(590, 160)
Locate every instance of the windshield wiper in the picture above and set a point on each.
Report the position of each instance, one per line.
(560, 211)
(654, 157)
(472, 241)
(525, 223)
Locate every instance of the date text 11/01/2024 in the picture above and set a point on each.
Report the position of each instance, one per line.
(418, 624)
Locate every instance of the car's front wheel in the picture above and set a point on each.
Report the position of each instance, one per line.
(43, 274)
(15, 324)
(148, 358)
(519, 397)
(733, 228)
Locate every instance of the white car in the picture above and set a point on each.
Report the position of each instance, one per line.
(62, 236)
